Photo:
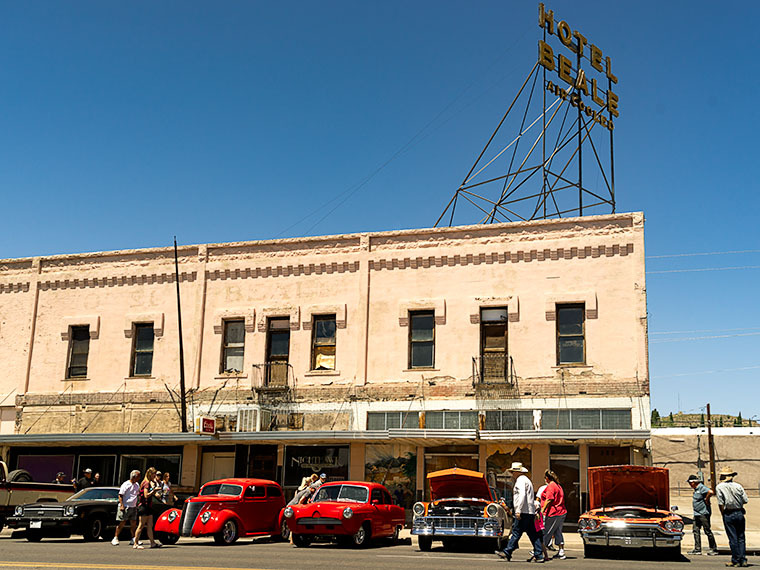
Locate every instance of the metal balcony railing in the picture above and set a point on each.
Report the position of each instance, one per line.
(493, 368)
(275, 374)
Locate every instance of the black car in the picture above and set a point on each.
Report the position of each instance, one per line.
(90, 513)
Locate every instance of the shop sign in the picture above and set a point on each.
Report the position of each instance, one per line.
(205, 425)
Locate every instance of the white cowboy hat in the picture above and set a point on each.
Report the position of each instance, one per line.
(517, 466)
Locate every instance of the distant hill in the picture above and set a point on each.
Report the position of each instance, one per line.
(679, 419)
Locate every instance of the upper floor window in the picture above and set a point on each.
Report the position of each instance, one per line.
(421, 339)
(79, 349)
(451, 420)
(390, 420)
(234, 346)
(571, 344)
(323, 343)
(510, 420)
(278, 351)
(493, 343)
(142, 350)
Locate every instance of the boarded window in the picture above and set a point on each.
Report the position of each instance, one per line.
(142, 350)
(278, 351)
(234, 346)
(79, 349)
(421, 339)
(571, 346)
(493, 343)
(323, 343)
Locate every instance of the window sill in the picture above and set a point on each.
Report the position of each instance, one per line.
(571, 366)
(140, 377)
(322, 373)
(230, 375)
(76, 379)
(422, 369)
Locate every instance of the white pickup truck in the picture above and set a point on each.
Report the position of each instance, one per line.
(17, 488)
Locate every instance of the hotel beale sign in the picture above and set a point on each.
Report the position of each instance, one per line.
(604, 99)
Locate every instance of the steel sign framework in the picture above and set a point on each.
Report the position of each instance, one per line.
(561, 161)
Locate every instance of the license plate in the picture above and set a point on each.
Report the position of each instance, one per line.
(35, 524)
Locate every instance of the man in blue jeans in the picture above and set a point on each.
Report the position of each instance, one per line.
(731, 500)
(524, 511)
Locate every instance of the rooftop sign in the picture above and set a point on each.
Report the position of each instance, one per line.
(576, 77)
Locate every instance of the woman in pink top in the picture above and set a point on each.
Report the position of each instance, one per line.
(553, 508)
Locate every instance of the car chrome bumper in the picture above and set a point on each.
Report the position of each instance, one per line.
(456, 526)
(655, 541)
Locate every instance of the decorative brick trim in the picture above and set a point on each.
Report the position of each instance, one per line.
(68, 322)
(437, 305)
(14, 287)
(156, 318)
(586, 297)
(288, 311)
(501, 257)
(124, 280)
(248, 315)
(311, 310)
(284, 271)
(512, 303)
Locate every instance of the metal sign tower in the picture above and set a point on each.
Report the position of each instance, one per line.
(561, 162)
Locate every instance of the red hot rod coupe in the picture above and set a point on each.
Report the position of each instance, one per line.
(352, 511)
(228, 509)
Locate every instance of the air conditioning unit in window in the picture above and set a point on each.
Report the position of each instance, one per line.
(247, 419)
(266, 420)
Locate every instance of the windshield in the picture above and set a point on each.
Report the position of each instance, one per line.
(96, 494)
(222, 489)
(350, 493)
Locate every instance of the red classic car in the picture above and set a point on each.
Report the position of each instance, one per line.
(629, 508)
(352, 511)
(227, 509)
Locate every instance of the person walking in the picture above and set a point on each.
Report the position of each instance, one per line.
(731, 500)
(128, 495)
(524, 521)
(553, 508)
(701, 512)
(166, 491)
(145, 509)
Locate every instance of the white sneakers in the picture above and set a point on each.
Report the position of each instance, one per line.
(561, 554)
(115, 541)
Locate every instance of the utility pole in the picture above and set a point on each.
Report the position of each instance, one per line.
(183, 399)
(711, 448)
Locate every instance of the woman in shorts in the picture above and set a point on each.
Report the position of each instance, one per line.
(553, 508)
(144, 508)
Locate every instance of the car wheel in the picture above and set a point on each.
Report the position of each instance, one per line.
(20, 476)
(93, 528)
(167, 538)
(33, 536)
(301, 540)
(394, 536)
(425, 543)
(284, 534)
(229, 533)
(362, 536)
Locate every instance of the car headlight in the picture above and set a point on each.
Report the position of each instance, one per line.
(288, 512)
(205, 517)
(492, 510)
(418, 509)
(672, 525)
(348, 512)
(68, 511)
(172, 516)
(19, 511)
(678, 525)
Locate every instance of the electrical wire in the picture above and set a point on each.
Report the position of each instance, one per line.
(661, 340)
(704, 331)
(705, 253)
(699, 373)
(705, 269)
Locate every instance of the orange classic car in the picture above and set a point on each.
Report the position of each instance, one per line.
(629, 507)
(462, 506)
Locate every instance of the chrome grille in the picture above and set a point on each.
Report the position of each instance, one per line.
(454, 522)
(43, 512)
(318, 520)
(189, 513)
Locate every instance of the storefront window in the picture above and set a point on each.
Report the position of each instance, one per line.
(303, 460)
(499, 457)
(171, 464)
(394, 466)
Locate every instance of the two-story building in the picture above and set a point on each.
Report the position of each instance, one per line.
(381, 356)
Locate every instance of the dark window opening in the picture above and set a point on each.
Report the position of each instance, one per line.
(571, 345)
(323, 343)
(421, 339)
(79, 349)
(142, 350)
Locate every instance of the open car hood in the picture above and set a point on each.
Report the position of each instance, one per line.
(628, 485)
(456, 482)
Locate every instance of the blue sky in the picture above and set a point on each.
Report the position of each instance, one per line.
(125, 123)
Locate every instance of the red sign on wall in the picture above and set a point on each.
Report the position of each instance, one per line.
(205, 425)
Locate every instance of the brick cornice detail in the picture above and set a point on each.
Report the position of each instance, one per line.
(284, 270)
(121, 281)
(14, 287)
(501, 257)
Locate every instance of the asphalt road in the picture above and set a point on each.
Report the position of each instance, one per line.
(197, 554)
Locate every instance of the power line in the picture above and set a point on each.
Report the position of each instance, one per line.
(706, 253)
(705, 331)
(701, 372)
(704, 269)
(704, 337)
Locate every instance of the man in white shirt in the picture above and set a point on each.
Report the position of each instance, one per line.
(524, 512)
(129, 492)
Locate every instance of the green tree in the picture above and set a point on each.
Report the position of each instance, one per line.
(739, 420)
(701, 420)
(671, 421)
(655, 418)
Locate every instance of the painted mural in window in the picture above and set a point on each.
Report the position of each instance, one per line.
(499, 457)
(394, 466)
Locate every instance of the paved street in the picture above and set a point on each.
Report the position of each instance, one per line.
(262, 554)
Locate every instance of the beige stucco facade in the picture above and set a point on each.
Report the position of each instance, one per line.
(370, 283)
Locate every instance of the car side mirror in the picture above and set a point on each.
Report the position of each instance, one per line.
(375, 501)
(674, 508)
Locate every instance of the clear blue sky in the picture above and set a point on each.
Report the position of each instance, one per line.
(124, 123)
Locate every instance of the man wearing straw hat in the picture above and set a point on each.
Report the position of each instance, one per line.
(731, 499)
(524, 508)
